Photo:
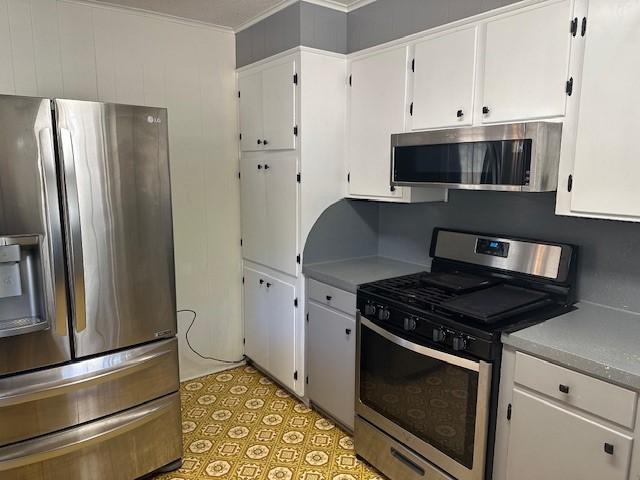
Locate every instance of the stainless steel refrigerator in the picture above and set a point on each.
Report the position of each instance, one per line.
(88, 354)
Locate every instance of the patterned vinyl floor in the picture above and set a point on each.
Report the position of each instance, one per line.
(240, 425)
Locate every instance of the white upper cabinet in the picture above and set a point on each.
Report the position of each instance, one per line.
(278, 107)
(526, 64)
(377, 109)
(250, 88)
(269, 201)
(606, 168)
(444, 80)
(267, 108)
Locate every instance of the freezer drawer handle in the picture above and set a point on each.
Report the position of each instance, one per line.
(63, 443)
(94, 377)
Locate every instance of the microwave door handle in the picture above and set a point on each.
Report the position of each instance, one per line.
(421, 349)
(74, 231)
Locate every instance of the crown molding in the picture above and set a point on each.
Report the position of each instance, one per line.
(148, 13)
(267, 13)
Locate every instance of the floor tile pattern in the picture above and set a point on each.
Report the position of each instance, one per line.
(240, 425)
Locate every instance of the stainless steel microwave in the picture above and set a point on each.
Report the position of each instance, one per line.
(520, 157)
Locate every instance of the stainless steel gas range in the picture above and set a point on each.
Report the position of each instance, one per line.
(428, 350)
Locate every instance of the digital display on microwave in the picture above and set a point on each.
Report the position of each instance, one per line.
(494, 248)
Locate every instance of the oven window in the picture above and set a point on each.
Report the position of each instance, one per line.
(433, 400)
(505, 162)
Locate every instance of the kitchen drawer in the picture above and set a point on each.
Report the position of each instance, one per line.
(332, 297)
(581, 391)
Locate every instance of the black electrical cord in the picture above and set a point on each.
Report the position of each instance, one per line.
(195, 315)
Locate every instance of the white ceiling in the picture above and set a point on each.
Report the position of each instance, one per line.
(226, 13)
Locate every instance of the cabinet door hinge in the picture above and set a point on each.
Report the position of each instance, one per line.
(238, 93)
(307, 380)
(583, 32)
(569, 88)
(244, 341)
(411, 109)
(239, 175)
(299, 178)
(241, 242)
(295, 302)
(349, 177)
(298, 258)
(295, 78)
(574, 26)
(240, 136)
(350, 80)
(295, 375)
(307, 318)
(295, 130)
(509, 411)
(570, 183)
(243, 280)
(413, 65)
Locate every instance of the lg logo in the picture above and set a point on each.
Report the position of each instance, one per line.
(152, 119)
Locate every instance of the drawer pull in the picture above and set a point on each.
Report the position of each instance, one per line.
(402, 459)
(347, 331)
(564, 388)
(608, 449)
(329, 297)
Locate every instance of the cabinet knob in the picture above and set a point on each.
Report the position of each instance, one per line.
(261, 281)
(348, 331)
(329, 297)
(266, 167)
(485, 110)
(564, 388)
(259, 142)
(459, 114)
(259, 167)
(268, 285)
(265, 142)
(608, 448)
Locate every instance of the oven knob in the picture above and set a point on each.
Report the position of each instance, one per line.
(369, 309)
(438, 335)
(409, 324)
(384, 314)
(459, 343)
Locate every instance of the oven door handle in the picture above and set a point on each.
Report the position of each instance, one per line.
(420, 349)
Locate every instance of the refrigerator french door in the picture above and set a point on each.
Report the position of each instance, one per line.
(33, 305)
(117, 203)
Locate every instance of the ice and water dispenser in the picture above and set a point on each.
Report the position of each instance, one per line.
(23, 297)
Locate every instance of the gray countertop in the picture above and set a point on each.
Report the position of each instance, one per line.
(600, 341)
(348, 274)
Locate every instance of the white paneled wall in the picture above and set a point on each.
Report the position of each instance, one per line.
(79, 50)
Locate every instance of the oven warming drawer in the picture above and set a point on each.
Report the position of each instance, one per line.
(390, 457)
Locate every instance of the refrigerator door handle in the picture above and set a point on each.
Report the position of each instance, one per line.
(74, 232)
(52, 254)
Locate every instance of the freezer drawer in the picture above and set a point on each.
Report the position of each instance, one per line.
(123, 446)
(49, 400)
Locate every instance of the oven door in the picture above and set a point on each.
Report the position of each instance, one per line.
(434, 402)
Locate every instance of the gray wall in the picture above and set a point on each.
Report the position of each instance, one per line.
(347, 229)
(609, 263)
(385, 20)
(299, 24)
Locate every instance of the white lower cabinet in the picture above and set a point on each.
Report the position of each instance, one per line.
(551, 442)
(331, 357)
(269, 324)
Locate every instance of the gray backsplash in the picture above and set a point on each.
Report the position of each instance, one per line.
(609, 256)
(347, 229)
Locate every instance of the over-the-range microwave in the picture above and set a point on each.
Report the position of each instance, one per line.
(520, 157)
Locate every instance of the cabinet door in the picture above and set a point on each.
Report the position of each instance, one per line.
(527, 64)
(548, 442)
(281, 232)
(250, 87)
(332, 356)
(256, 315)
(377, 109)
(255, 245)
(444, 80)
(606, 169)
(278, 100)
(281, 333)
